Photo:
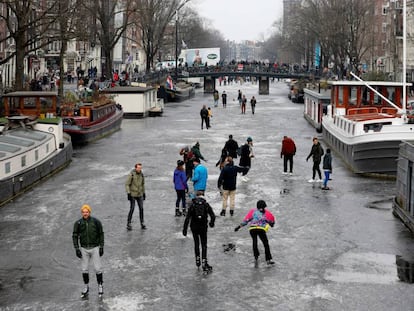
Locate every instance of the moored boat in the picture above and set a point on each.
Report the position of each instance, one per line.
(316, 102)
(365, 124)
(88, 121)
(31, 148)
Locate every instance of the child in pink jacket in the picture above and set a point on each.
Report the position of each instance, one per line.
(259, 221)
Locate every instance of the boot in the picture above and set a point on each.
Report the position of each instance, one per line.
(231, 212)
(99, 279)
(143, 227)
(184, 213)
(85, 290)
(223, 212)
(270, 262)
(206, 266)
(129, 227)
(198, 262)
(177, 212)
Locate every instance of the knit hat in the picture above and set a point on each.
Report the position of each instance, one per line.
(196, 160)
(249, 139)
(261, 205)
(180, 163)
(86, 206)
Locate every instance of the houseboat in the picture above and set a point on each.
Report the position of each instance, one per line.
(316, 103)
(136, 101)
(31, 148)
(88, 121)
(365, 124)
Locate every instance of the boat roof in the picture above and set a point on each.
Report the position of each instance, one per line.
(368, 116)
(13, 142)
(128, 89)
(370, 83)
(315, 93)
(30, 94)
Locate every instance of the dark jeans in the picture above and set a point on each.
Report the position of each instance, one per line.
(140, 202)
(315, 169)
(180, 197)
(263, 237)
(204, 120)
(286, 159)
(200, 235)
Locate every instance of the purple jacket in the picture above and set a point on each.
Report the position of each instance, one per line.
(180, 180)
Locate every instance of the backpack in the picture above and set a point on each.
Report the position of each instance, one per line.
(200, 209)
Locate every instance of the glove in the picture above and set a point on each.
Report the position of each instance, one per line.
(129, 197)
(143, 196)
(211, 224)
(184, 232)
(237, 228)
(78, 253)
(101, 252)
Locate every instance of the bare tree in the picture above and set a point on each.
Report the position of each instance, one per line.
(28, 24)
(108, 20)
(153, 18)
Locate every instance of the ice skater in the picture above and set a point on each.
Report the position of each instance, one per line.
(181, 187)
(88, 234)
(135, 188)
(327, 168)
(316, 153)
(259, 220)
(197, 217)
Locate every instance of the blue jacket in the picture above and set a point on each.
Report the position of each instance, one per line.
(200, 177)
(180, 180)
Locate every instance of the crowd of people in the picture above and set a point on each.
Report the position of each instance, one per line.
(190, 180)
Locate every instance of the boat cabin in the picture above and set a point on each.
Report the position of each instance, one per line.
(355, 98)
(30, 103)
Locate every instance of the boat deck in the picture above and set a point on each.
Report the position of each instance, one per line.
(368, 116)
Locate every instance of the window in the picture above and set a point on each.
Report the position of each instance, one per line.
(23, 161)
(384, 10)
(7, 167)
(47, 148)
(36, 154)
(384, 27)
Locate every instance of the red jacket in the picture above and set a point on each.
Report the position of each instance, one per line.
(288, 147)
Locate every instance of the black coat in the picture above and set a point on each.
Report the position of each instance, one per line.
(228, 176)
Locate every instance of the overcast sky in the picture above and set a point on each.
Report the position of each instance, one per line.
(241, 19)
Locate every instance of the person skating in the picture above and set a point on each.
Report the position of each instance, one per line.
(135, 188)
(253, 104)
(246, 155)
(204, 116)
(216, 97)
(227, 184)
(239, 97)
(88, 240)
(200, 176)
(327, 168)
(287, 152)
(243, 104)
(196, 152)
(224, 99)
(316, 153)
(188, 160)
(197, 217)
(259, 220)
(181, 187)
(231, 146)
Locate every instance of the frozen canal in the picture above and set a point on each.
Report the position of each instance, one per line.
(334, 250)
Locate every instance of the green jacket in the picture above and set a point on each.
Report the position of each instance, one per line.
(135, 184)
(88, 232)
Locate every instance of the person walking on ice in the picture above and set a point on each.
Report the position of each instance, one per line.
(88, 240)
(316, 153)
(327, 168)
(259, 220)
(197, 217)
(135, 188)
